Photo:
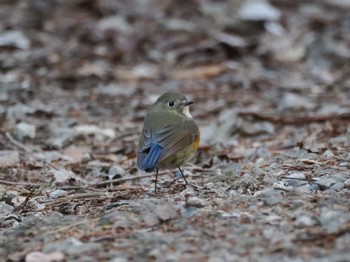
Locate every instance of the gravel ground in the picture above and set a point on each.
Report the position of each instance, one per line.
(271, 85)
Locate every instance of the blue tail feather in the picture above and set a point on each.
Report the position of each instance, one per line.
(151, 160)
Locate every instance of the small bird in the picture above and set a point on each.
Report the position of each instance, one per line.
(169, 137)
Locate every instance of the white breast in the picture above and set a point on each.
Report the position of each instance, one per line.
(186, 111)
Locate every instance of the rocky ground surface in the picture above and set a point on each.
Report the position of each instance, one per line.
(271, 83)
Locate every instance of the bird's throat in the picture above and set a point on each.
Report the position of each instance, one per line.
(186, 111)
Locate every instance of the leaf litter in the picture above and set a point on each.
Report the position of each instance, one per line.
(270, 181)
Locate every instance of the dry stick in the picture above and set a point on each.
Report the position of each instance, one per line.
(83, 196)
(121, 180)
(80, 196)
(12, 183)
(295, 178)
(21, 206)
(17, 143)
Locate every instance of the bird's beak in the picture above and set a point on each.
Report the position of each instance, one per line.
(188, 103)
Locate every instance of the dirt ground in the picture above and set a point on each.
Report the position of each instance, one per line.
(271, 85)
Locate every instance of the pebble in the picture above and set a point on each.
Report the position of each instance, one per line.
(195, 202)
(314, 187)
(270, 180)
(295, 182)
(328, 154)
(305, 189)
(333, 220)
(209, 185)
(24, 130)
(340, 177)
(270, 201)
(116, 172)
(120, 259)
(270, 196)
(5, 209)
(258, 11)
(325, 182)
(71, 246)
(39, 256)
(256, 128)
(235, 169)
(305, 221)
(280, 185)
(347, 183)
(9, 158)
(296, 204)
(291, 101)
(58, 193)
(296, 175)
(337, 186)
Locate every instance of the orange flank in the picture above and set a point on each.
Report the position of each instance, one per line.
(195, 143)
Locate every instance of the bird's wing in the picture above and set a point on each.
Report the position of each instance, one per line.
(174, 138)
(164, 141)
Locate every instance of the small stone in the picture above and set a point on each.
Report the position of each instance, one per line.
(58, 193)
(232, 193)
(328, 154)
(211, 185)
(347, 156)
(270, 201)
(195, 202)
(166, 211)
(39, 256)
(270, 196)
(305, 221)
(280, 185)
(9, 158)
(270, 180)
(295, 182)
(333, 220)
(120, 259)
(95, 130)
(314, 187)
(48, 156)
(15, 39)
(71, 246)
(325, 182)
(305, 189)
(340, 177)
(296, 204)
(235, 169)
(296, 175)
(347, 183)
(337, 186)
(5, 209)
(115, 172)
(257, 172)
(24, 130)
(256, 128)
(258, 10)
(267, 193)
(59, 142)
(291, 101)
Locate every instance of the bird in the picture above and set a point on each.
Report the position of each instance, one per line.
(169, 137)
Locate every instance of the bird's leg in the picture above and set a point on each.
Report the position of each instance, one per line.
(155, 183)
(182, 175)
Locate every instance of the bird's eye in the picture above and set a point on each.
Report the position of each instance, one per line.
(171, 103)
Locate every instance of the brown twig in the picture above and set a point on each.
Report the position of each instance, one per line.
(121, 180)
(12, 183)
(17, 143)
(25, 202)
